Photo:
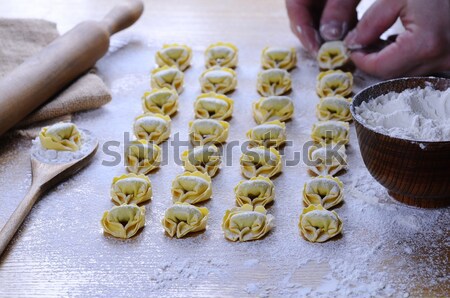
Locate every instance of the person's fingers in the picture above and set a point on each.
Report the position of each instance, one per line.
(338, 17)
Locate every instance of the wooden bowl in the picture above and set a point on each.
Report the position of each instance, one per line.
(414, 172)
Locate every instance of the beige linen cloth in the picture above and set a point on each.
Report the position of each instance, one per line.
(21, 38)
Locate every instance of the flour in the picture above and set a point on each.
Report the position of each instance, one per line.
(414, 114)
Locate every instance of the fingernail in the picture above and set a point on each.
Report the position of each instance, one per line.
(306, 43)
(333, 30)
(350, 41)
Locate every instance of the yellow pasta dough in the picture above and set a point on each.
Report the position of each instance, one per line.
(213, 106)
(168, 77)
(334, 82)
(160, 101)
(332, 55)
(326, 191)
(60, 136)
(221, 54)
(268, 134)
(218, 79)
(205, 159)
(142, 157)
(260, 161)
(327, 160)
(331, 131)
(318, 224)
(152, 127)
(334, 108)
(183, 218)
(191, 188)
(178, 55)
(273, 81)
(273, 108)
(258, 191)
(123, 221)
(245, 224)
(204, 131)
(274, 57)
(131, 189)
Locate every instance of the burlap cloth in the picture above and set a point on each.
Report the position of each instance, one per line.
(21, 38)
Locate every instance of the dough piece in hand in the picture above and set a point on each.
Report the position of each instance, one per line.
(204, 131)
(131, 189)
(273, 57)
(245, 224)
(258, 191)
(191, 188)
(268, 134)
(332, 55)
(318, 224)
(327, 159)
(123, 221)
(334, 82)
(160, 101)
(183, 218)
(218, 79)
(60, 136)
(213, 106)
(331, 131)
(152, 127)
(273, 81)
(168, 77)
(142, 157)
(222, 54)
(205, 159)
(326, 191)
(260, 161)
(334, 108)
(273, 108)
(178, 55)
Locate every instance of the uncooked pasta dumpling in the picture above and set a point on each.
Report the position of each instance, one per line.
(260, 161)
(328, 159)
(213, 106)
(123, 221)
(152, 127)
(245, 224)
(182, 218)
(268, 134)
(221, 54)
(273, 108)
(218, 79)
(334, 82)
(323, 190)
(205, 159)
(332, 55)
(274, 57)
(318, 224)
(273, 81)
(258, 191)
(142, 157)
(169, 77)
(131, 189)
(204, 131)
(191, 188)
(160, 101)
(61, 136)
(178, 55)
(334, 108)
(330, 131)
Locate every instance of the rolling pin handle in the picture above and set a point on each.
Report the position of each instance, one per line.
(124, 15)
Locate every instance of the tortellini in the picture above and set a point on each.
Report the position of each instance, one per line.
(178, 55)
(268, 134)
(332, 55)
(258, 191)
(61, 136)
(213, 106)
(160, 101)
(131, 189)
(330, 131)
(273, 81)
(205, 159)
(334, 108)
(183, 218)
(169, 77)
(327, 160)
(260, 161)
(142, 157)
(273, 108)
(318, 224)
(221, 54)
(334, 82)
(152, 127)
(326, 191)
(123, 221)
(191, 188)
(218, 79)
(204, 131)
(245, 224)
(273, 57)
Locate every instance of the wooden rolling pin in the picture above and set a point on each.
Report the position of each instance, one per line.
(52, 69)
